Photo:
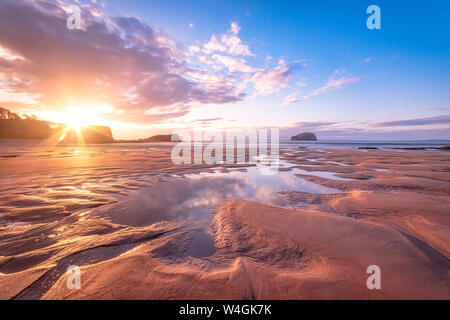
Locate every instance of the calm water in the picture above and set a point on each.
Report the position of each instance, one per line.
(383, 144)
(194, 195)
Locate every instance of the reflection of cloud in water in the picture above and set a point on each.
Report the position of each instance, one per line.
(290, 181)
(194, 195)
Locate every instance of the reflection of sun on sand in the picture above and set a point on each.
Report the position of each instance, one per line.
(137, 231)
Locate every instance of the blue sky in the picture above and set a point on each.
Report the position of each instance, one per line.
(298, 65)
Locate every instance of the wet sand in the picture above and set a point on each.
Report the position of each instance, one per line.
(141, 228)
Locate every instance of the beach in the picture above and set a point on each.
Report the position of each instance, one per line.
(140, 227)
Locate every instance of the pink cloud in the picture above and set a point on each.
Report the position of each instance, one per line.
(213, 45)
(334, 84)
(268, 81)
(117, 60)
(229, 42)
(292, 98)
(233, 64)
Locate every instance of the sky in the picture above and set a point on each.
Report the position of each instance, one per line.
(149, 67)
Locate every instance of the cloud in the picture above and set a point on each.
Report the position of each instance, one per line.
(315, 125)
(9, 56)
(214, 45)
(234, 43)
(443, 119)
(268, 81)
(205, 60)
(194, 49)
(117, 60)
(334, 84)
(206, 121)
(227, 50)
(292, 98)
(233, 64)
(235, 28)
(365, 60)
(228, 42)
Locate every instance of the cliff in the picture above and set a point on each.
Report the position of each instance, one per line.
(13, 126)
(37, 129)
(24, 129)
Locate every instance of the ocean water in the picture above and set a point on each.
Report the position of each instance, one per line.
(381, 144)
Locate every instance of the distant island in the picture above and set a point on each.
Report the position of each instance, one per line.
(14, 126)
(157, 138)
(304, 136)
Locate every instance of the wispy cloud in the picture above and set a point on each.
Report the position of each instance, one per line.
(365, 60)
(268, 81)
(333, 84)
(336, 81)
(444, 119)
(206, 121)
(292, 98)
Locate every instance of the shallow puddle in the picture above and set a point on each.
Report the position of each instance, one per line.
(193, 196)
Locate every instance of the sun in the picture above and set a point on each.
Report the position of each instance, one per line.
(82, 116)
(76, 118)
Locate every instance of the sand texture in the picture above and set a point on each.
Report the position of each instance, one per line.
(140, 227)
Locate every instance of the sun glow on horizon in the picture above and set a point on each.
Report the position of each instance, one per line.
(76, 117)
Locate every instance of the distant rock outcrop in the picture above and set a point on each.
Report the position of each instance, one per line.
(163, 138)
(305, 136)
(157, 138)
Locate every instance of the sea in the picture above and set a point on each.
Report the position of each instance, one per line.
(380, 144)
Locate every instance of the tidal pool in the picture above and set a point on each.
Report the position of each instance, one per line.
(193, 196)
